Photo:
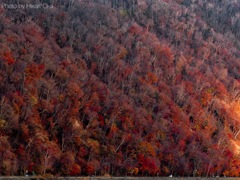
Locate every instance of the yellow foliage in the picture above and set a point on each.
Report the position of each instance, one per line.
(122, 54)
(61, 97)
(165, 170)
(123, 12)
(134, 171)
(147, 148)
(94, 145)
(16, 108)
(33, 100)
(210, 90)
(114, 128)
(3, 123)
(161, 134)
(197, 126)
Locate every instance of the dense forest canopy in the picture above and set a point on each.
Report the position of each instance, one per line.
(120, 87)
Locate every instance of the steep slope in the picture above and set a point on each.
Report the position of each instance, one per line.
(222, 16)
(117, 87)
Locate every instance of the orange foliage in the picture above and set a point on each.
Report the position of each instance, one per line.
(152, 78)
(147, 148)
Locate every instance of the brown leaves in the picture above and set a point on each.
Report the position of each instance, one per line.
(74, 90)
(34, 71)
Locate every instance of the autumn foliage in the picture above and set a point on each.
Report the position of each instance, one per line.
(121, 88)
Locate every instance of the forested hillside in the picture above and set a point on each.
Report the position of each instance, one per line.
(120, 87)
